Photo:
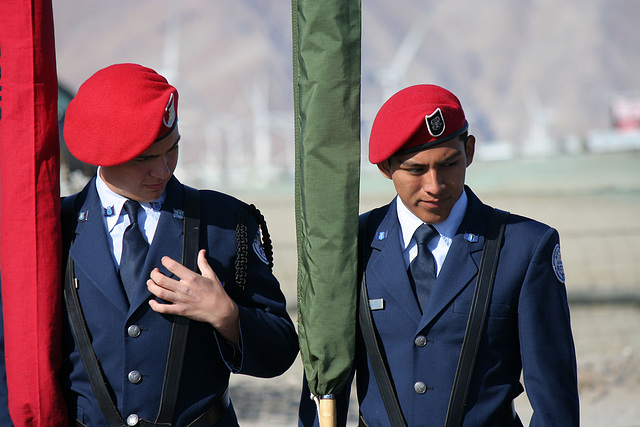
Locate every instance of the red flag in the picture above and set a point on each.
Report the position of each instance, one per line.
(29, 213)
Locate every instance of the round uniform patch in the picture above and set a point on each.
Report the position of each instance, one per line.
(259, 250)
(556, 262)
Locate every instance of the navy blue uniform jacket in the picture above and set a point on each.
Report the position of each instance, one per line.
(268, 338)
(527, 331)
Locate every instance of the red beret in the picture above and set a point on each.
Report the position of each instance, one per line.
(415, 119)
(118, 113)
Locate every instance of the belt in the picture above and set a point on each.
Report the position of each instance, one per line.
(206, 419)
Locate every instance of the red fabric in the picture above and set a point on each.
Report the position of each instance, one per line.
(401, 123)
(118, 113)
(29, 207)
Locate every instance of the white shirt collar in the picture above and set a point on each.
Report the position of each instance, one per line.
(114, 202)
(109, 201)
(447, 228)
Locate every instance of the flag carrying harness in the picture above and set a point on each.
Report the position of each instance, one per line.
(472, 336)
(179, 332)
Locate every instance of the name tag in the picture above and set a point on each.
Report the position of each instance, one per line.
(376, 304)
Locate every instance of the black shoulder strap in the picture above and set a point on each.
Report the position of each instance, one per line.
(180, 331)
(78, 325)
(380, 370)
(477, 317)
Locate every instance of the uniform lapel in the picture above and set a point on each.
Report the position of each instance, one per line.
(167, 240)
(463, 260)
(91, 252)
(386, 266)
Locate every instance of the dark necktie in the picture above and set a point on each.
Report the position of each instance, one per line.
(423, 267)
(134, 250)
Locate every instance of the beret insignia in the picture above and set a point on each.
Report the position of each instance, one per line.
(435, 123)
(169, 113)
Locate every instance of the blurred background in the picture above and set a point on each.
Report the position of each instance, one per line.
(551, 91)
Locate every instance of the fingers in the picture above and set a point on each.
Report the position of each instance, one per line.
(176, 268)
(162, 286)
(204, 266)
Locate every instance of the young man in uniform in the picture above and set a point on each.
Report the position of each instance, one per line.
(126, 249)
(437, 227)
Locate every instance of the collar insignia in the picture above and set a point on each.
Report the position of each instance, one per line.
(108, 211)
(470, 237)
(178, 213)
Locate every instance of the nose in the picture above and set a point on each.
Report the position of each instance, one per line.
(161, 168)
(432, 182)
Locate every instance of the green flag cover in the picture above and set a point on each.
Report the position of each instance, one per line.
(326, 86)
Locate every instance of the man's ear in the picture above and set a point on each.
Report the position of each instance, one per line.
(470, 148)
(385, 168)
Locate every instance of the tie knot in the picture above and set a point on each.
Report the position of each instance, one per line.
(424, 234)
(132, 207)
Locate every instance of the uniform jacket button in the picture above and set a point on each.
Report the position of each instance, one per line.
(420, 387)
(134, 377)
(420, 341)
(132, 420)
(133, 331)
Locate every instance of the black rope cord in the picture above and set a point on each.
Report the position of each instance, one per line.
(242, 240)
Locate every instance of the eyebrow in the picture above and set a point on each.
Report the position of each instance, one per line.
(454, 156)
(158, 155)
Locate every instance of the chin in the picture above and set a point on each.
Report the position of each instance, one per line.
(433, 217)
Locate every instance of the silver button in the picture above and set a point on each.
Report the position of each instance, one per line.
(133, 331)
(132, 420)
(420, 341)
(135, 377)
(420, 387)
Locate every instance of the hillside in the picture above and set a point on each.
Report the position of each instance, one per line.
(518, 67)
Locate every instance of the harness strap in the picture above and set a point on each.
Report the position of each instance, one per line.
(180, 331)
(477, 318)
(473, 332)
(380, 370)
(378, 365)
(89, 359)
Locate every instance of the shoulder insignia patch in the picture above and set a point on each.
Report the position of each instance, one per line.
(259, 250)
(556, 262)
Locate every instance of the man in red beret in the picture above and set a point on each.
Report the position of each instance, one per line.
(150, 342)
(449, 364)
